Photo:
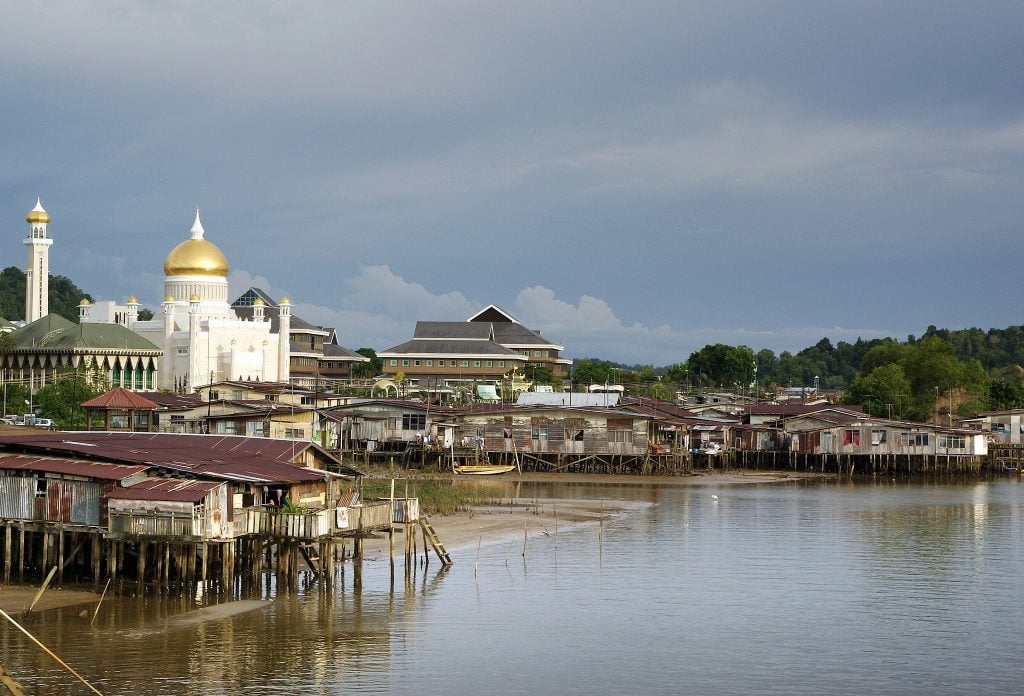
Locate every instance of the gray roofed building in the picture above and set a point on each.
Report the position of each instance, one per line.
(488, 348)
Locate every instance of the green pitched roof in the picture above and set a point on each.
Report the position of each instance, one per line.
(54, 332)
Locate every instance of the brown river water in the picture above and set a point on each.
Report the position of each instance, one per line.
(803, 587)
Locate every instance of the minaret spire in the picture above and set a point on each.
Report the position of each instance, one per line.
(37, 266)
(197, 227)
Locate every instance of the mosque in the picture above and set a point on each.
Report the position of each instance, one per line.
(204, 340)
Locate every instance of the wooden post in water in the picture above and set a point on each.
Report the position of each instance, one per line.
(140, 568)
(8, 540)
(95, 552)
(204, 564)
(21, 551)
(60, 555)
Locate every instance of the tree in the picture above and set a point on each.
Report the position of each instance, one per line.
(145, 314)
(882, 393)
(61, 399)
(368, 369)
(723, 366)
(591, 371)
(64, 295)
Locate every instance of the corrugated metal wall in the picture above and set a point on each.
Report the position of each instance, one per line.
(75, 502)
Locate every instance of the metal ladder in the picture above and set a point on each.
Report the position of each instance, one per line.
(435, 541)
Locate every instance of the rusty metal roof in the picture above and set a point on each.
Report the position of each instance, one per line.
(223, 457)
(71, 467)
(177, 490)
(120, 398)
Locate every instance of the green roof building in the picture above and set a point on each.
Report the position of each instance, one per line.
(52, 343)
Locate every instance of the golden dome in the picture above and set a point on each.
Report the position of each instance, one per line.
(196, 256)
(84, 303)
(133, 300)
(194, 298)
(258, 302)
(285, 300)
(168, 298)
(37, 214)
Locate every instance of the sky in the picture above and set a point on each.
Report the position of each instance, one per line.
(632, 179)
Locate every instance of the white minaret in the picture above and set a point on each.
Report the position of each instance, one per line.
(284, 330)
(37, 268)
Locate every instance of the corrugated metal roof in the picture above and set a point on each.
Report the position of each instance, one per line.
(71, 467)
(574, 399)
(178, 490)
(225, 457)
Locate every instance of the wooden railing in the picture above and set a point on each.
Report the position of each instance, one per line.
(269, 521)
(150, 523)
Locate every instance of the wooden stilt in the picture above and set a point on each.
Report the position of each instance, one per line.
(8, 542)
(140, 567)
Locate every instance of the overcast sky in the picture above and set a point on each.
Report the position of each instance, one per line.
(634, 179)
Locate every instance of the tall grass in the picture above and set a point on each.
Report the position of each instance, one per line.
(439, 497)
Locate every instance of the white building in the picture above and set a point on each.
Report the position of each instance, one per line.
(37, 268)
(204, 340)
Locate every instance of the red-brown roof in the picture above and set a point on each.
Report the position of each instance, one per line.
(177, 490)
(223, 457)
(72, 467)
(120, 398)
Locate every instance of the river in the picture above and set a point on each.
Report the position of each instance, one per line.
(795, 588)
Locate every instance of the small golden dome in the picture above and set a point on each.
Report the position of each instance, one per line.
(84, 303)
(37, 214)
(196, 257)
(285, 300)
(168, 298)
(133, 300)
(258, 302)
(194, 298)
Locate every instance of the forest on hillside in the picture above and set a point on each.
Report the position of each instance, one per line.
(941, 374)
(64, 295)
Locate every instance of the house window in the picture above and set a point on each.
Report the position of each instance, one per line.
(414, 421)
(141, 421)
(490, 363)
(915, 439)
(878, 437)
(40, 488)
(952, 442)
(464, 363)
(307, 400)
(539, 434)
(214, 395)
(177, 418)
(536, 353)
(575, 435)
(430, 363)
(476, 363)
(393, 362)
(416, 363)
(501, 363)
(620, 436)
(851, 437)
(183, 351)
(405, 362)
